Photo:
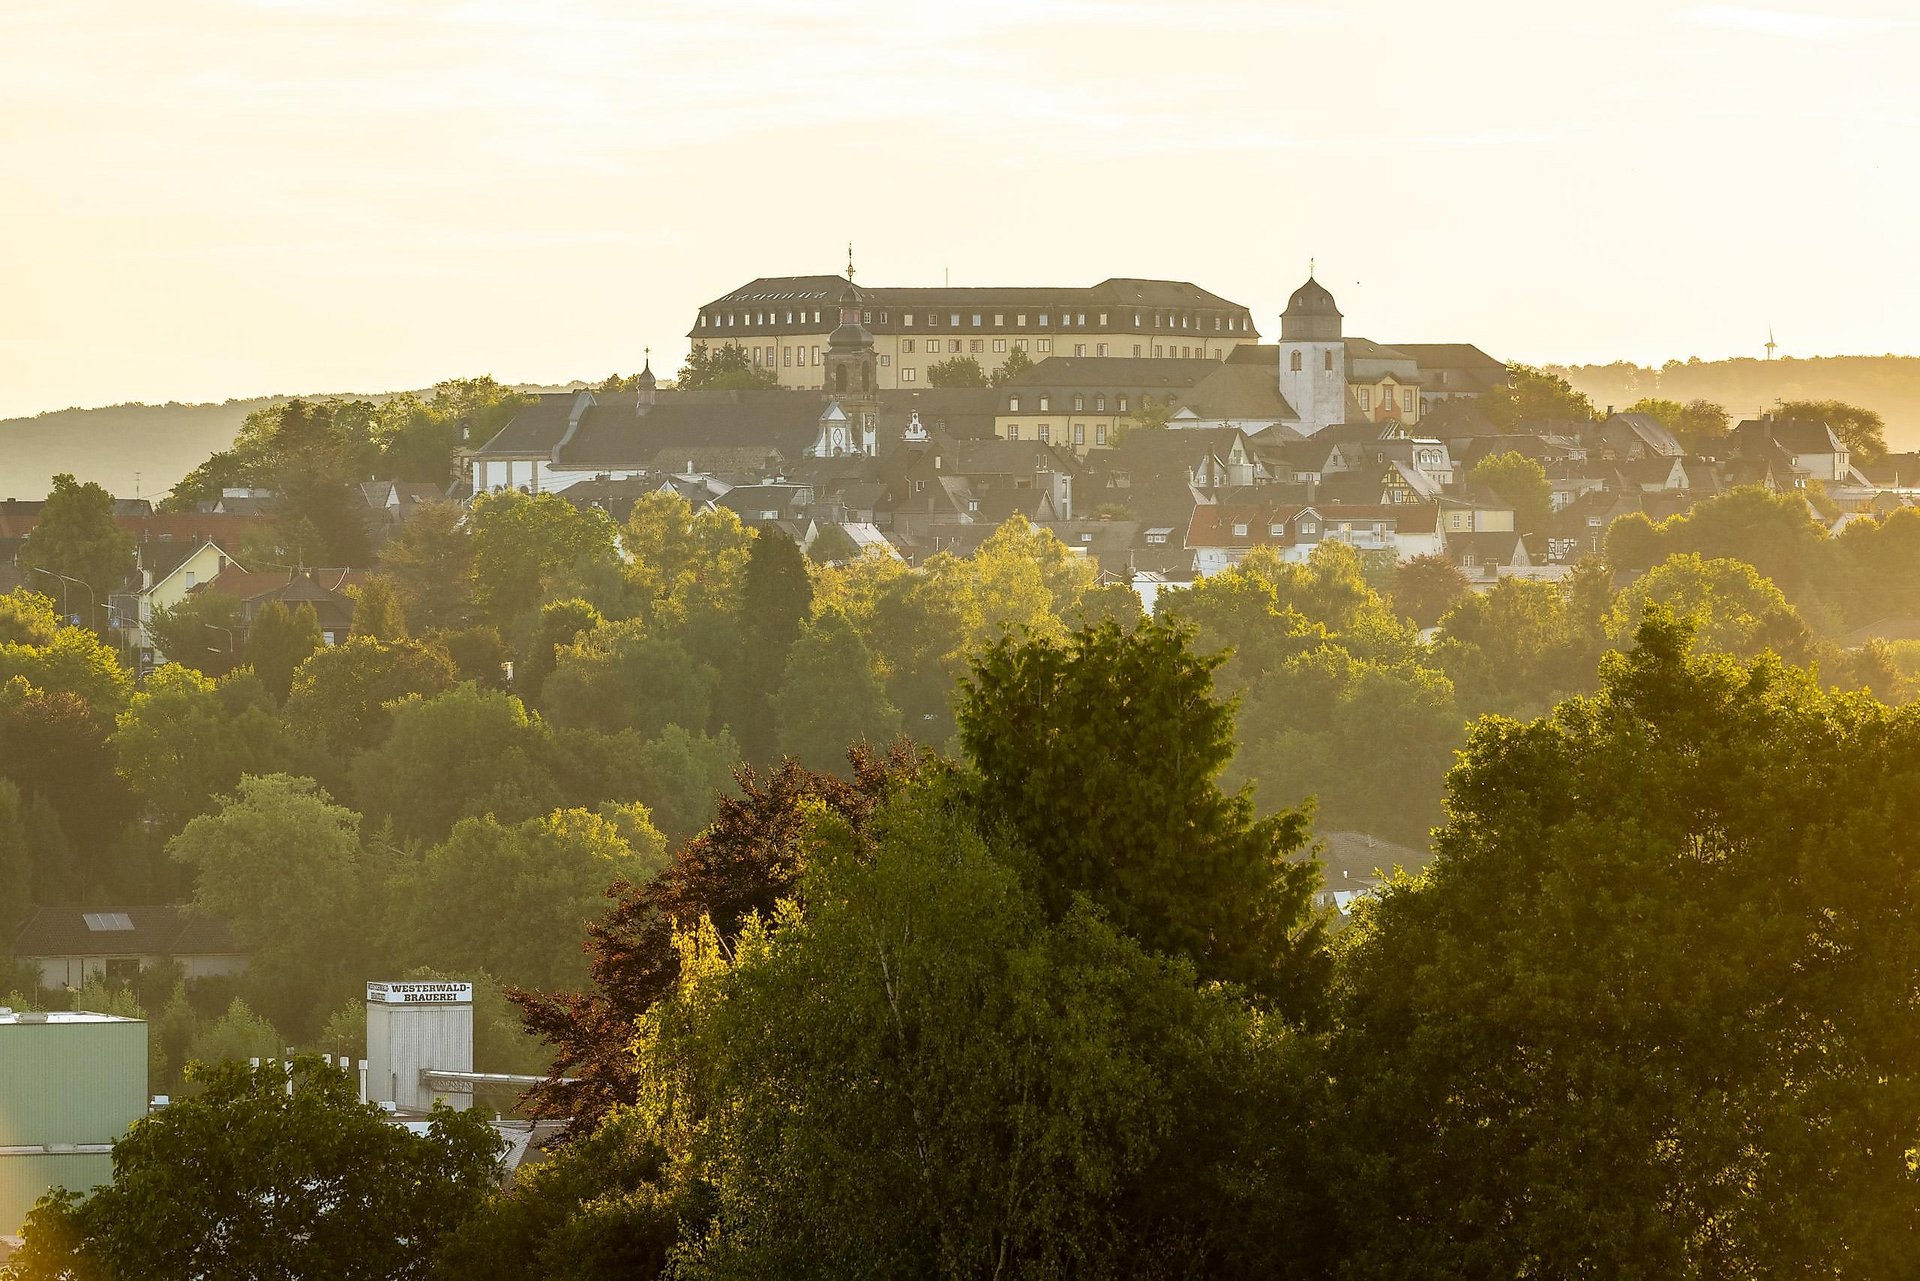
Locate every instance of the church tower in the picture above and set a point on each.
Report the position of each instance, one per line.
(852, 379)
(1313, 358)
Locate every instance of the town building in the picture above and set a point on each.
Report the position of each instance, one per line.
(784, 324)
(70, 1086)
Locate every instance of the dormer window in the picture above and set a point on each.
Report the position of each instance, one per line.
(1307, 528)
(1100, 404)
(1123, 404)
(1079, 403)
(1239, 529)
(1086, 538)
(1045, 402)
(1013, 404)
(1277, 529)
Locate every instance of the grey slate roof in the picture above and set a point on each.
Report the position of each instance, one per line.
(123, 931)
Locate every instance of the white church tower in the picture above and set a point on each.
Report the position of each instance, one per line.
(1313, 358)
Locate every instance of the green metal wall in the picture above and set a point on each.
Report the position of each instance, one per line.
(65, 1083)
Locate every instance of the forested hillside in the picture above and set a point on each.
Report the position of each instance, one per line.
(1889, 385)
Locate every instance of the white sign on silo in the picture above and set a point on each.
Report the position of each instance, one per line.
(414, 1027)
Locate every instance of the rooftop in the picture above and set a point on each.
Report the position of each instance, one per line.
(30, 1018)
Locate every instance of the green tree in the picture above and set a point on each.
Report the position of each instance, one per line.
(1016, 363)
(54, 748)
(676, 775)
(1521, 482)
(279, 641)
(1101, 755)
(1152, 415)
(429, 561)
(1533, 394)
(1426, 587)
(960, 371)
(621, 676)
(180, 744)
(1519, 648)
(776, 596)
(561, 623)
(459, 754)
(1862, 431)
(235, 1037)
(341, 695)
(1692, 424)
(377, 611)
(41, 649)
(526, 547)
(16, 858)
(516, 900)
(1642, 1015)
(830, 697)
(282, 865)
(723, 368)
(1732, 608)
(77, 537)
(201, 632)
(276, 1170)
(686, 569)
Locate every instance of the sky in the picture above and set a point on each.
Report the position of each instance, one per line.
(206, 199)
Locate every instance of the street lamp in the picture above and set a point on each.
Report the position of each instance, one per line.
(93, 607)
(217, 628)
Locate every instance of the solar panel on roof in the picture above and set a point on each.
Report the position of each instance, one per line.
(103, 921)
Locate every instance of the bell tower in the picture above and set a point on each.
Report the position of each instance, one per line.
(852, 367)
(1313, 358)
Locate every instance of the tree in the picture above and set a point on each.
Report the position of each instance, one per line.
(622, 676)
(547, 877)
(184, 740)
(833, 545)
(1521, 482)
(921, 1073)
(53, 746)
(723, 368)
(741, 864)
(376, 610)
(1101, 756)
(1731, 607)
(279, 641)
(1692, 424)
(1152, 415)
(1862, 431)
(16, 858)
(201, 632)
(341, 694)
(276, 1170)
(429, 561)
(1426, 587)
(776, 597)
(525, 548)
(960, 371)
(48, 654)
(1531, 395)
(1016, 363)
(1643, 1013)
(830, 696)
(686, 569)
(1519, 648)
(282, 865)
(459, 754)
(77, 538)
(676, 775)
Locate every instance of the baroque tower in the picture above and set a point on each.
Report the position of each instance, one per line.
(1313, 358)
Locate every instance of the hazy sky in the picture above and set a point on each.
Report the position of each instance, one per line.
(212, 198)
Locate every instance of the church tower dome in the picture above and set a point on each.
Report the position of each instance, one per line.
(1311, 315)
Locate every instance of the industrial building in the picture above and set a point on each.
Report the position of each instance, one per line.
(70, 1086)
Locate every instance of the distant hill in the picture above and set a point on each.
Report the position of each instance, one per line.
(127, 446)
(1889, 385)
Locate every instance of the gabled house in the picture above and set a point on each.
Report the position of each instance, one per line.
(73, 944)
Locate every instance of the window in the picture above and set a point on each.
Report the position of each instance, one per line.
(1019, 344)
(786, 357)
(816, 355)
(1020, 321)
(1366, 399)
(883, 317)
(1294, 362)
(933, 319)
(976, 320)
(122, 969)
(1306, 528)
(999, 319)
(1013, 431)
(191, 577)
(1121, 405)
(906, 346)
(1103, 320)
(1326, 358)
(1239, 529)
(1216, 324)
(1045, 402)
(909, 374)
(866, 318)
(1079, 402)
(1079, 433)
(1099, 433)
(1406, 400)
(953, 320)
(1136, 351)
(1082, 320)
(999, 345)
(976, 345)
(885, 360)
(1156, 351)
(1100, 350)
(1158, 536)
(1043, 345)
(1013, 404)
(1100, 403)
(1277, 530)
(1046, 434)
(1079, 349)
(1086, 538)
(1043, 320)
(703, 320)
(906, 318)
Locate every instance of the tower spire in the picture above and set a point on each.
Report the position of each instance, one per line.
(849, 261)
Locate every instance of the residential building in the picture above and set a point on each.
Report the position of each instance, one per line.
(73, 944)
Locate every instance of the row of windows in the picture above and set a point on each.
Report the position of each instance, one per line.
(1386, 399)
(1326, 361)
(1169, 320)
(1080, 402)
(1044, 433)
